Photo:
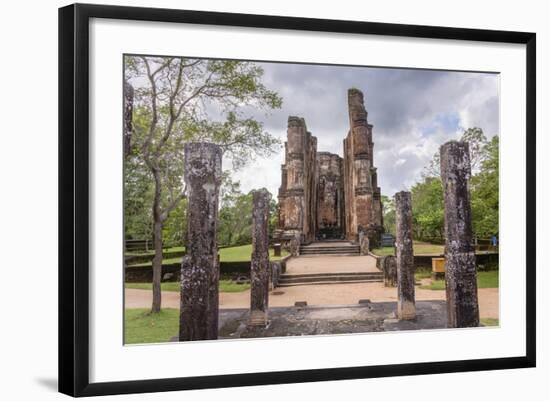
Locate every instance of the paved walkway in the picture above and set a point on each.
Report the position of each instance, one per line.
(331, 264)
(333, 294)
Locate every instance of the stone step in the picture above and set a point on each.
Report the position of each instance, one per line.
(320, 255)
(326, 248)
(342, 252)
(302, 275)
(329, 277)
(344, 248)
(330, 282)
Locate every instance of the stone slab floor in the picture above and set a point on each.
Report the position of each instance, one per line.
(363, 318)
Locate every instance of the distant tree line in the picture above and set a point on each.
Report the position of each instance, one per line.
(427, 193)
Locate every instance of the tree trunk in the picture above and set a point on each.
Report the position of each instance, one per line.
(157, 266)
(157, 244)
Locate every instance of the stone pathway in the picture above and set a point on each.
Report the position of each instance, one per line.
(331, 264)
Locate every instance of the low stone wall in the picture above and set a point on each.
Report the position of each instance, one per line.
(138, 259)
(425, 261)
(172, 272)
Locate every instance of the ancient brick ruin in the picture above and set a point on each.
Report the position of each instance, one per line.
(324, 195)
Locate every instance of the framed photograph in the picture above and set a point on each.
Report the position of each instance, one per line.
(251, 199)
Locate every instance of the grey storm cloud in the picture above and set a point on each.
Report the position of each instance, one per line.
(413, 113)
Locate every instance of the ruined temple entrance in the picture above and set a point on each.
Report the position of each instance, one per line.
(330, 197)
(324, 196)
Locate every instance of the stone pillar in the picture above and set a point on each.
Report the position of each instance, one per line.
(294, 245)
(460, 262)
(389, 268)
(200, 266)
(259, 265)
(364, 245)
(406, 308)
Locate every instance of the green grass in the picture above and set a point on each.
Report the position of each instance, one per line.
(233, 254)
(489, 321)
(488, 279)
(225, 286)
(385, 251)
(142, 327)
(425, 248)
(422, 273)
(419, 248)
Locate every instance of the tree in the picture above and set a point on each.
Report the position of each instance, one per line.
(485, 192)
(428, 208)
(388, 206)
(177, 100)
(476, 140)
(235, 216)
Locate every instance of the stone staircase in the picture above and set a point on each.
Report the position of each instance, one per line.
(289, 280)
(338, 248)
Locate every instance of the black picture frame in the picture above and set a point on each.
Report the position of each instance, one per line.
(74, 198)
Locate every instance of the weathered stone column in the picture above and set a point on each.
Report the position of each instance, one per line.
(460, 261)
(294, 245)
(406, 308)
(200, 266)
(389, 268)
(364, 245)
(259, 265)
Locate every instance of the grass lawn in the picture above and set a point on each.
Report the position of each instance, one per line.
(489, 321)
(142, 327)
(385, 251)
(487, 279)
(419, 248)
(422, 273)
(234, 254)
(225, 286)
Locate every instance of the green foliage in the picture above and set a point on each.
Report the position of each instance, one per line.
(235, 216)
(174, 227)
(138, 196)
(428, 209)
(427, 195)
(388, 210)
(179, 100)
(484, 193)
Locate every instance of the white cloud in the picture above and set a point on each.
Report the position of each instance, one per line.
(413, 113)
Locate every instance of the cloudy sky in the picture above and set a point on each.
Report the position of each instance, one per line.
(413, 113)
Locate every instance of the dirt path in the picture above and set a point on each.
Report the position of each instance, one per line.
(333, 294)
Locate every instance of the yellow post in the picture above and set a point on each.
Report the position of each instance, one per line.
(438, 268)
